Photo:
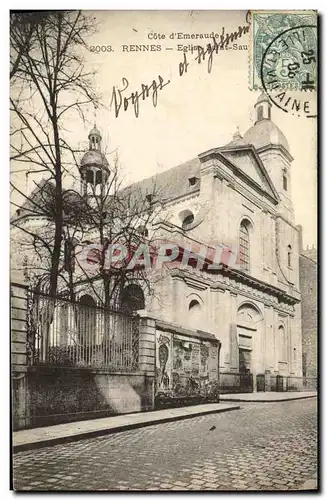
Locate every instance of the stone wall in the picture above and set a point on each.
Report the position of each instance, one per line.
(47, 395)
(59, 394)
(308, 286)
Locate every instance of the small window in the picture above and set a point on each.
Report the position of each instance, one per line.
(260, 113)
(284, 182)
(149, 198)
(289, 256)
(193, 181)
(142, 230)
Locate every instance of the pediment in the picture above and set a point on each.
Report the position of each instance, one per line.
(246, 163)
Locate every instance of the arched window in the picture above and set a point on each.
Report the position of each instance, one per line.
(282, 343)
(194, 312)
(244, 242)
(143, 231)
(86, 320)
(132, 298)
(289, 256)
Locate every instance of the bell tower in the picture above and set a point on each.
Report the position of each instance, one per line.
(94, 167)
(273, 149)
(262, 108)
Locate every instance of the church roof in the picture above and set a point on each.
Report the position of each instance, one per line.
(94, 131)
(171, 183)
(265, 133)
(263, 98)
(94, 157)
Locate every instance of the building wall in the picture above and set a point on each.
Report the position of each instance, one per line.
(221, 301)
(219, 207)
(308, 283)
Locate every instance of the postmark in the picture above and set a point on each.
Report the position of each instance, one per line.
(265, 27)
(288, 70)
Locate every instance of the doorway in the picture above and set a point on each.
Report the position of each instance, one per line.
(245, 370)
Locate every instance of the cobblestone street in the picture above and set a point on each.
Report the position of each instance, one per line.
(263, 446)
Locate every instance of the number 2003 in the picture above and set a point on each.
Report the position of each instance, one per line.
(100, 48)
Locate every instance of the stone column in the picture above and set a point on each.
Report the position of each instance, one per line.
(147, 350)
(268, 336)
(18, 309)
(234, 354)
(178, 293)
(147, 343)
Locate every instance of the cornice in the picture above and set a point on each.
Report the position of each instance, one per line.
(256, 289)
(280, 148)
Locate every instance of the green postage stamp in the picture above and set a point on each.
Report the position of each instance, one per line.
(283, 51)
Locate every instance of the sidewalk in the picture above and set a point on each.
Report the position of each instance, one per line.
(266, 397)
(73, 431)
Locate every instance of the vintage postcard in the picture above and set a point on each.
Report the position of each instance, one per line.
(163, 278)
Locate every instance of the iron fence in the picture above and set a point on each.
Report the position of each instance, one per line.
(301, 384)
(67, 333)
(231, 382)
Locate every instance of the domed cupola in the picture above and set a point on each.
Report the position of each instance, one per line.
(273, 150)
(264, 132)
(94, 167)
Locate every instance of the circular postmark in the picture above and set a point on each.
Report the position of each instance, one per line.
(289, 70)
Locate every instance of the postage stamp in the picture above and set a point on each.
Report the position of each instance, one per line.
(285, 42)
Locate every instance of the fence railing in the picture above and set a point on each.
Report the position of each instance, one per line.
(301, 384)
(67, 333)
(235, 382)
(232, 382)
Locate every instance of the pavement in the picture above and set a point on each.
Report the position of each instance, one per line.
(266, 397)
(260, 447)
(63, 433)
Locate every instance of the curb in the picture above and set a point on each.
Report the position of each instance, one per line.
(266, 400)
(113, 430)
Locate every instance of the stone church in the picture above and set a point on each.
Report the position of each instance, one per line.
(235, 195)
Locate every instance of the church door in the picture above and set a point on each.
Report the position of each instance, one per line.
(245, 370)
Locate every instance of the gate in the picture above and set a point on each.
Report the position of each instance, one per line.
(246, 382)
(260, 383)
(279, 383)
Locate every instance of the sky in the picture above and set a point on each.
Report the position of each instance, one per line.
(196, 111)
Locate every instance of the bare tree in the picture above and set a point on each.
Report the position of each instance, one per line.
(49, 83)
(110, 217)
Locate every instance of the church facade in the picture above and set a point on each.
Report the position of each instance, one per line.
(238, 195)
